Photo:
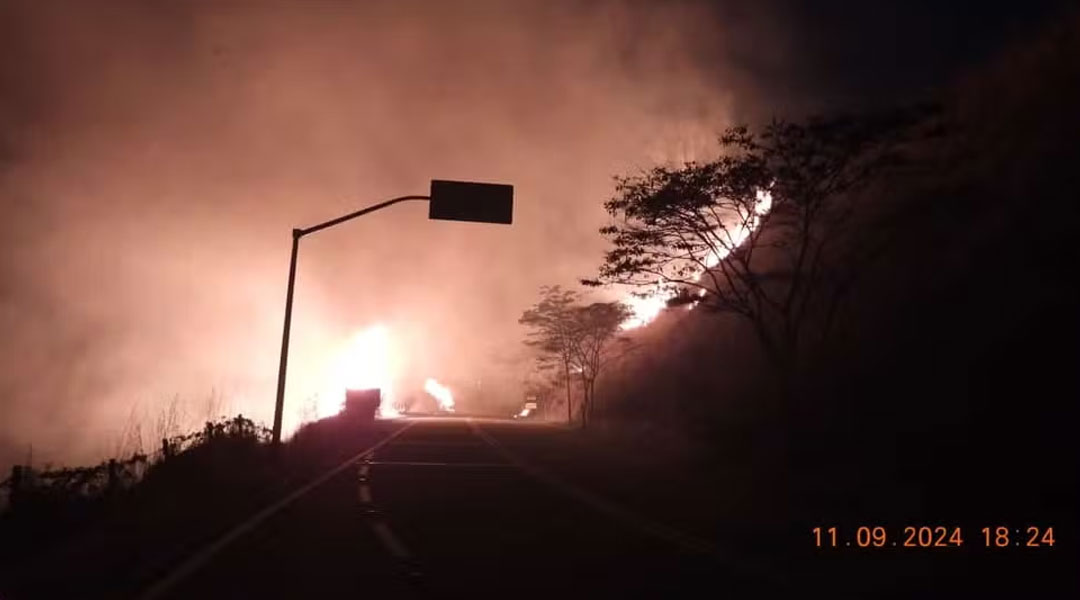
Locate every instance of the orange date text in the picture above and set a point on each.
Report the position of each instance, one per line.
(932, 536)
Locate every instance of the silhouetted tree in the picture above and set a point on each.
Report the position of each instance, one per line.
(595, 327)
(552, 333)
(574, 339)
(760, 231)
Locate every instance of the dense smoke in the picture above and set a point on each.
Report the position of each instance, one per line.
(156, 155)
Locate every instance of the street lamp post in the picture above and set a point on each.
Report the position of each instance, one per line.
(448, 200)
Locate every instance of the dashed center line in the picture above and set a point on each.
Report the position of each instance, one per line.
(390, 541)
(413, 463)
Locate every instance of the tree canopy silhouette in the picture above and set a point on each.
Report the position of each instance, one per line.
(762, 231)
(575, 339)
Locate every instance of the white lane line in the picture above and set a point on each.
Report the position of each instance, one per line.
(197, 560)
(408, 463)
(436, 444)
(391, 541)
(382, 530)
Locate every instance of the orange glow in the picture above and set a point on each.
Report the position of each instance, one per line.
(387, 410)
(441, 393)
(646, 309)
(367, 361)
(726, 240)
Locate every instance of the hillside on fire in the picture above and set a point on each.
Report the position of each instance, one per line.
(959, 327)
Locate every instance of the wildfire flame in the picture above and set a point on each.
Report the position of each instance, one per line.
(441, 393)
(387, 410)
(645, 309)
(366, 362)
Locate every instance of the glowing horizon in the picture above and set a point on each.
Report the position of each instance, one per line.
(367, 361)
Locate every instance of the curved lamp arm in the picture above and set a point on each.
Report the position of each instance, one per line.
(363, 211)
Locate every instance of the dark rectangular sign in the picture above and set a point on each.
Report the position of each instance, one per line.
(469, 201)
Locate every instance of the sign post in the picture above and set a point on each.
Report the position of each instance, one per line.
(449, 201)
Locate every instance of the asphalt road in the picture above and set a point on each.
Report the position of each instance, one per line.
(452, 508)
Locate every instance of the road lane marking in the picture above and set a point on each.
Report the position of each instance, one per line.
(391, 541)
(618, 513)
(427, 444)
(197, 560)
(412, 463)
(379, 526)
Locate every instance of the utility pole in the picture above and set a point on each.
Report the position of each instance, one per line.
(448, 201)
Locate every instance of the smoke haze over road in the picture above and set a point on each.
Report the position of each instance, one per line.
(154, 157)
